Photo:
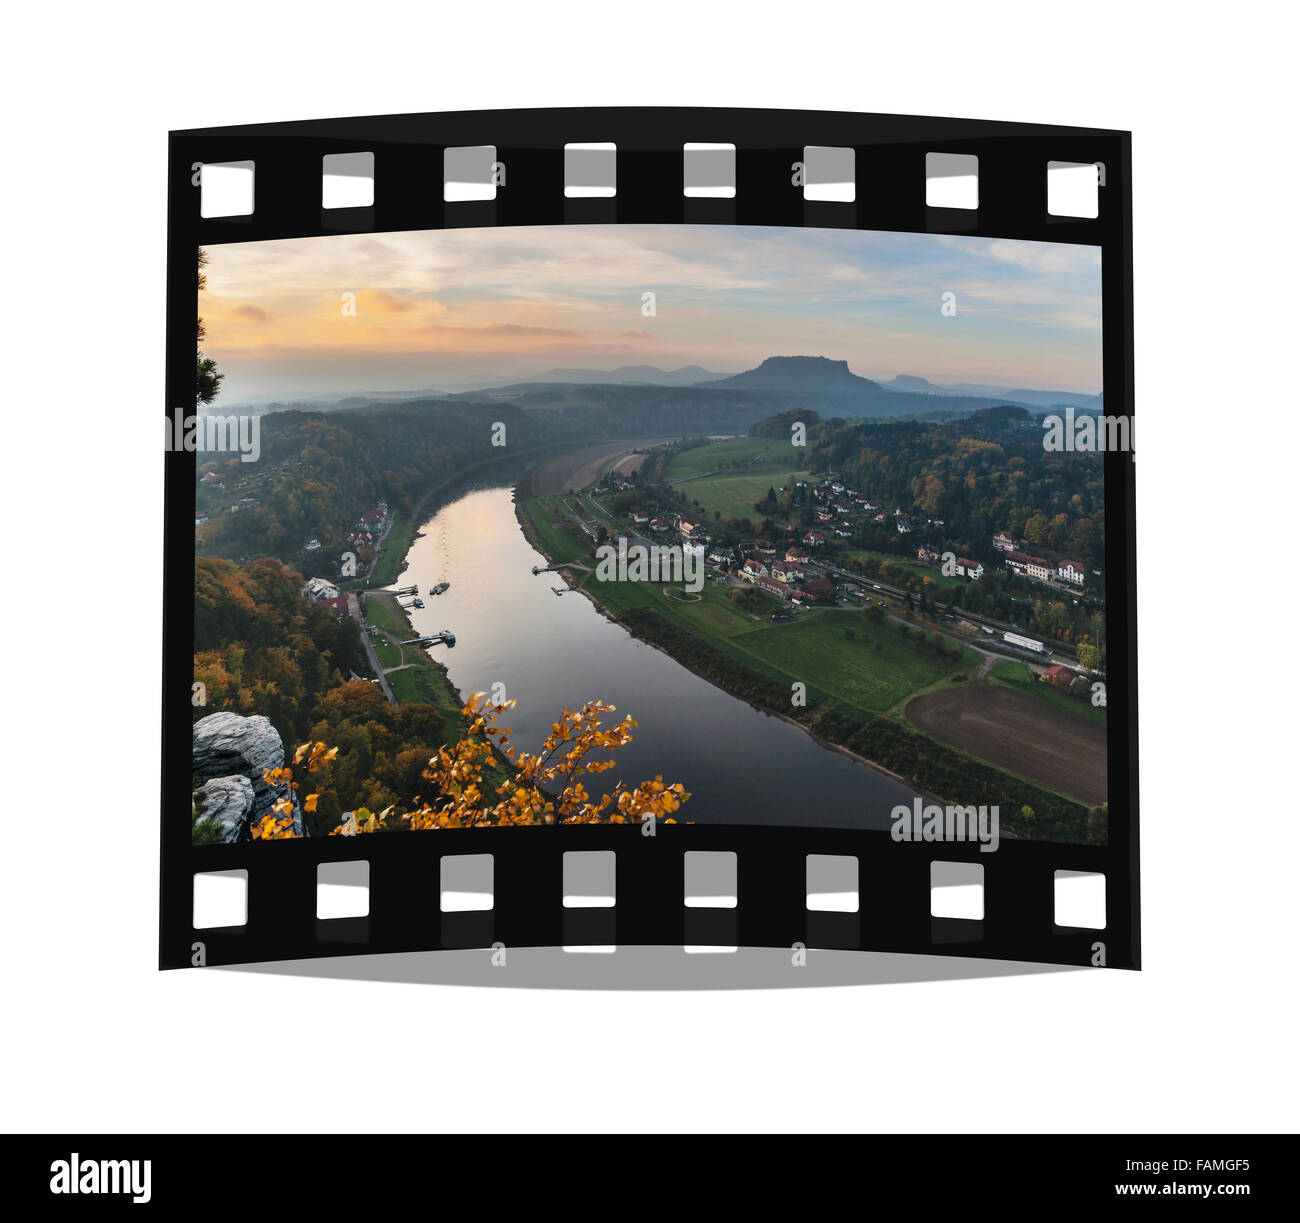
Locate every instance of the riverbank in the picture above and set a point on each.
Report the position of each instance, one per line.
(390, 563)
(411, 673)
(831, 651)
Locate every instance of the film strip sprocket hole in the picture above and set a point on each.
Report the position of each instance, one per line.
(797, 433)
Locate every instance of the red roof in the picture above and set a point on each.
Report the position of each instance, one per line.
(339, 605)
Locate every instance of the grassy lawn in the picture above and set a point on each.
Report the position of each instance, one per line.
(816, 650)
(383, 612)
(424, 681)
(767, 450)
(426, 685)
(909, 566)
(767, 463)
(734, 495)
(1017, 675)
(550, 519)
(393, 551)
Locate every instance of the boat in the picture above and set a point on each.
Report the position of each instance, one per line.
(439, 588)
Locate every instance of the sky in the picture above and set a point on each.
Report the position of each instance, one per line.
(436, 309)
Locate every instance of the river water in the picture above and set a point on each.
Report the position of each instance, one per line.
(740, 765)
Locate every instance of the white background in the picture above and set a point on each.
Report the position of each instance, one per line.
(94, 1037)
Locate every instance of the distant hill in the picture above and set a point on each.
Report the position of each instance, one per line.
(1022, 395)
(650, 375)
(807, 374)
(918, 386)
(1054, 399)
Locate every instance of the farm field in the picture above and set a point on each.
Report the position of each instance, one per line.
(1015, 732)
(1017, 675)
(745, 469)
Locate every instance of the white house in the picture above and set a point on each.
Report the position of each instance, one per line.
(318, 589)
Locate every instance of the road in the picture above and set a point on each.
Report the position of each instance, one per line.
(354, 607)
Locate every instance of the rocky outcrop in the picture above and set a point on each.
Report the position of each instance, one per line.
(228, 801)
(231, 754)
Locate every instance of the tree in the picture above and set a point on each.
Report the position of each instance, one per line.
(1089, 657)
(208, 378)
(468, 793)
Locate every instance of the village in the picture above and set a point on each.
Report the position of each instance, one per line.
(781, 565)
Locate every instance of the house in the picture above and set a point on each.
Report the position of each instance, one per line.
(1059, 677)
(207, 477)
(246, 503)
(1029, 566)
(200, 518)
(1071, 572)
(752, 570)
(795, 557)
(639, 516)
(690, 528)
(824, 515)
(926, 553)
(844, 532)
(879, 518)
(969, 569)
(786, 571)
(904, 528)
(774, 587)
(373, 520)
(1004, 542)
(318, 589)
(338, 605)
(660, 524)
(312, 545)
(814, 539)
(722, 558)
(819, 588)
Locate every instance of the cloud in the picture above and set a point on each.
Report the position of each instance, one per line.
(489, 302)
(379, 301)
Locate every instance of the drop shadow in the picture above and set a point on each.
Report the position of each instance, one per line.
(650, 968)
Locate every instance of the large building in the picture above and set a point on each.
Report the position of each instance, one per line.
(318, 589)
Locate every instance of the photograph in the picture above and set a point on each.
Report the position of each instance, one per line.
(851, 589)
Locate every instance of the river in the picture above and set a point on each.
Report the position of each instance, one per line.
(740, 766)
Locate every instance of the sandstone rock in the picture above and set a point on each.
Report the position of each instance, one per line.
(230, 745)
(229, 801)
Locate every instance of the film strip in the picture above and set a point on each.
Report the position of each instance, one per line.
(691, 883)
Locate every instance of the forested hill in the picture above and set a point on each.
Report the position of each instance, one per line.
(319, 472)
(981, 475)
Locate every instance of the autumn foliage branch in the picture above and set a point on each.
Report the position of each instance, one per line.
(547, 787)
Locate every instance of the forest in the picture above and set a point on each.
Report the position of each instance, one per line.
(261, 648)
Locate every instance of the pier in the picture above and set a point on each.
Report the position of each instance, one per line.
(446, 637)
